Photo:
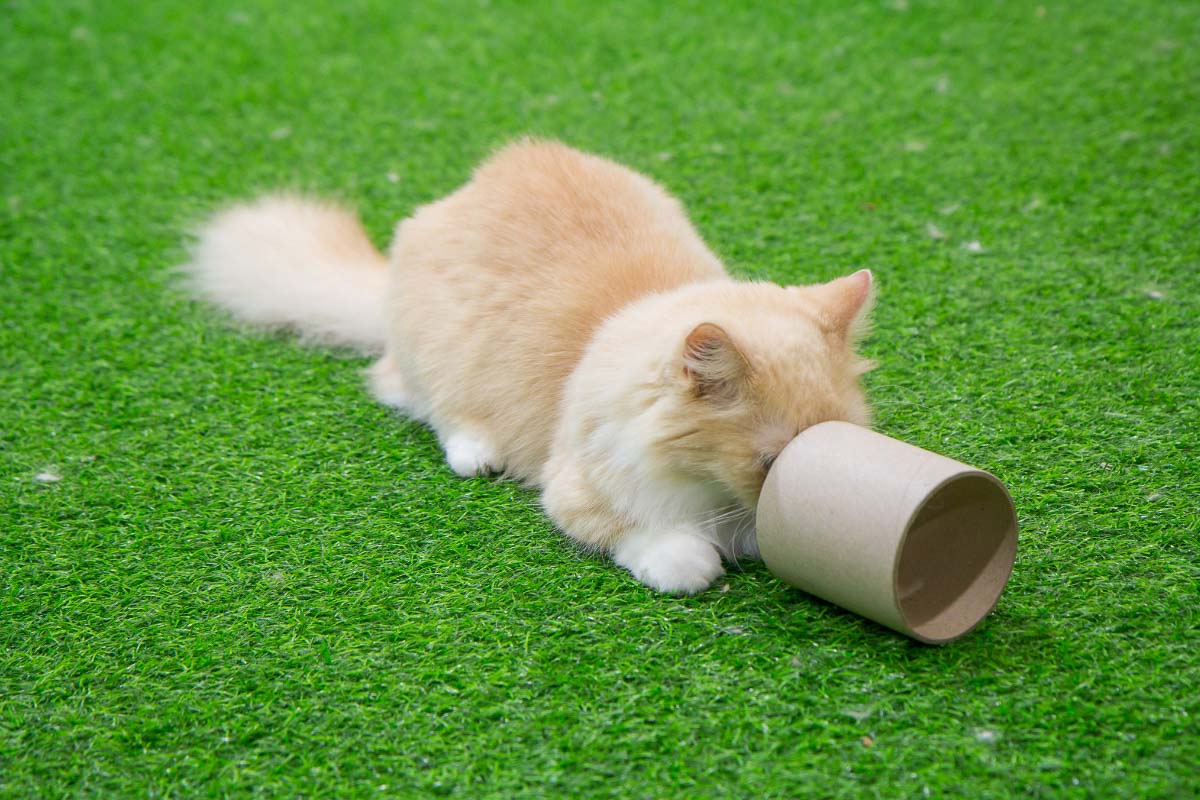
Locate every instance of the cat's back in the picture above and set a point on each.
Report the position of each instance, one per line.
(549, 237)
(556, 210)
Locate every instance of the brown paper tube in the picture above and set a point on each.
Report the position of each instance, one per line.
(911, 539)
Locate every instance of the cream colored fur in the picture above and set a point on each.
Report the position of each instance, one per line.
(304, 265)
(559, 319)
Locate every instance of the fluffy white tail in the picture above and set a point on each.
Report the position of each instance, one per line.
(303, 265)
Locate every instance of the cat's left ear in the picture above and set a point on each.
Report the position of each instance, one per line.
(846, 304)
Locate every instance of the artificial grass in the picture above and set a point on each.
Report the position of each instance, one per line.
(252, 580)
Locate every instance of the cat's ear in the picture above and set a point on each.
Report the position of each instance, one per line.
(846, 304)
(713, 364)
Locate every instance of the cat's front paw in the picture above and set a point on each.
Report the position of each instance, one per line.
(675, 560)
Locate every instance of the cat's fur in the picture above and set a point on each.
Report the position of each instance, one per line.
(559, 319)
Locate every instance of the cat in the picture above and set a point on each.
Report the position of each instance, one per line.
(559, 320)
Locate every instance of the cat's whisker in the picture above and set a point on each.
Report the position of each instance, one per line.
(739, 523)
(741, 530)
(723, 514)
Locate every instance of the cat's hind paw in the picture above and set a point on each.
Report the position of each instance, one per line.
(469, 455)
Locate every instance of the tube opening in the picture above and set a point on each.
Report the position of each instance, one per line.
(956, 557)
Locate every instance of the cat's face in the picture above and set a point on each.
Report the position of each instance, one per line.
(773, 362)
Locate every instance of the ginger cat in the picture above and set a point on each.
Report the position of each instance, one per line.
(559, 320)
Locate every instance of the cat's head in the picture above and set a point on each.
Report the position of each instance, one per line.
(758, 364)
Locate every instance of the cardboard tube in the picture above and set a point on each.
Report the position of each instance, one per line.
(913, 540)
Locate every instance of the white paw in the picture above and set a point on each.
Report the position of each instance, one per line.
(470, 455)
(676, 561)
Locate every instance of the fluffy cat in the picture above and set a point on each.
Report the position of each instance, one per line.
(559, 320)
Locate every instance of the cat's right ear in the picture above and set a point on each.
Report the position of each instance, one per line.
(713, 364)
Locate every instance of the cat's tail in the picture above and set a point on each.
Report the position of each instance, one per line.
(292, 263)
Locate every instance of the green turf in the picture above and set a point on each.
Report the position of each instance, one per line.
(252, 580)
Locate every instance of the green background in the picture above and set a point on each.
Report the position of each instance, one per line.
(251, 579)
